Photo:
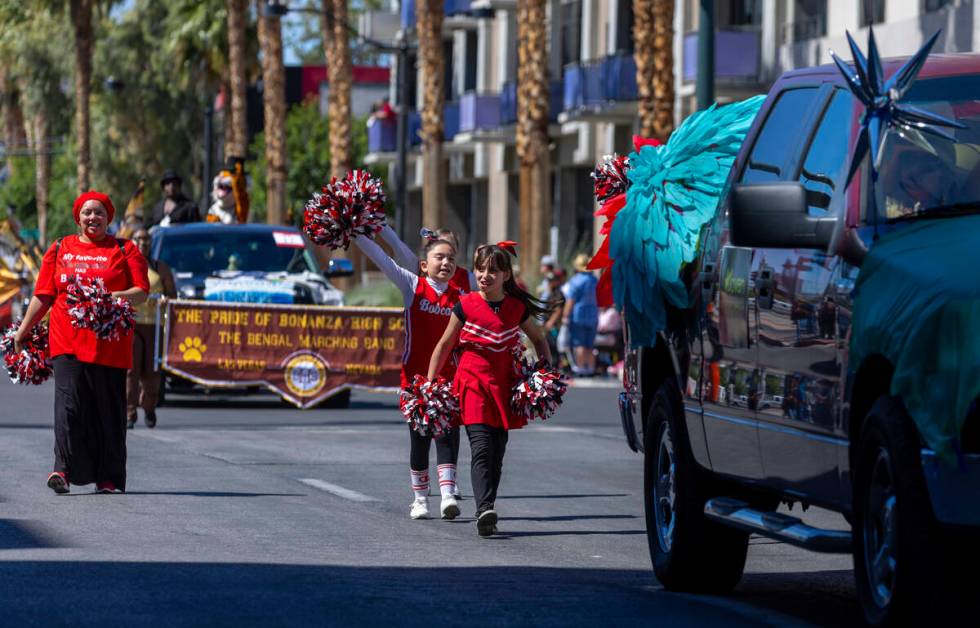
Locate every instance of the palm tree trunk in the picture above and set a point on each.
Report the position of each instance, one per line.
(274, 101)
(428, 15)
(532, 130)
(663, 72)
(13, 118)
(42, 176)
(643, 54)
(236, 133)
(339, 72)
(81, 18)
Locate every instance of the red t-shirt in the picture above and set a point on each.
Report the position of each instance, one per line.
(120, 268)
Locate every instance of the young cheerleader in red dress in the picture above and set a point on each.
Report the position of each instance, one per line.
(429, 299)
(463, 280)
(487, 325)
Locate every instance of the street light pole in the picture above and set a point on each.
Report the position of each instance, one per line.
(208, 151)
(706, 55)
(401, 140)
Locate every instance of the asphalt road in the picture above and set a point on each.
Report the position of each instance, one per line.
(244, 512)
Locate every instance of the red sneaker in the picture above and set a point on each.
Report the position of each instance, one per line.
(106, 487)
(58, 482)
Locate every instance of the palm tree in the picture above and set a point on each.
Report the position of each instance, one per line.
(335, 44)
(274, 101)
(81, 18)
(42, 170)
(532, 129)
(656, 49)
(428, 16)
(13, 117)
(236, 127)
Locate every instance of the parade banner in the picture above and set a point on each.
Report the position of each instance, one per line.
(305, 353)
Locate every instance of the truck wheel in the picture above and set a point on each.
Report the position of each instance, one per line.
(689, 553)
(897, 560)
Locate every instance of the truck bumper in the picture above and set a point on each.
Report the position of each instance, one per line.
(954, 490)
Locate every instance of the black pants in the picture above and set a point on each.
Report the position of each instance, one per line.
(487, 446)
(447, 449)
(89, 422)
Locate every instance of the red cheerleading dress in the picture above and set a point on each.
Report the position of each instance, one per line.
(425, 322)
(486, 372)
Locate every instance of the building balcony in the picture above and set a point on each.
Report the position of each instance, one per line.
(382, 135)
(596, 87)
(508, 102)
(457, 14)
(736, 56)
(378, 25)
(479, 112)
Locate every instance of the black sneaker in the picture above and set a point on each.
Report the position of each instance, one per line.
(486, 523)
(151, 419)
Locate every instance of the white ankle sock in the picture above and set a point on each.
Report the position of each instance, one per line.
(420, 483)
(447, 479)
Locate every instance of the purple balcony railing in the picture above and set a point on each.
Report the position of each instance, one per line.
(383, 134)
(596, 83)
(479, 111)
(450, 7)
(508, 101)
(450, 121)
(736, 55)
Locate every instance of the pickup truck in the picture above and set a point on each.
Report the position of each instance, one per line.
(774, 297)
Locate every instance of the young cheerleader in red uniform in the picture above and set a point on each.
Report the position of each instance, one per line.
(487, 326)
(463, 280)
(429, 299)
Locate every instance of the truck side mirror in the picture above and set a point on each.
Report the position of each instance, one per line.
(774, 215)
(339, 267)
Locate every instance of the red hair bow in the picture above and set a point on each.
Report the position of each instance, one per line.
(508, 245)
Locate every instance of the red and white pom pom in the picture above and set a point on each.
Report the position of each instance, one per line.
(92, 307)
(345, 209)
(538, 392)
(609, 177)
(430, 407)
(32, 364)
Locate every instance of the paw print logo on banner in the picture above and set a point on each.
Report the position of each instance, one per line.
(192, 349)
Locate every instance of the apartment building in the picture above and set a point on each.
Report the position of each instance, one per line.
(593, 87)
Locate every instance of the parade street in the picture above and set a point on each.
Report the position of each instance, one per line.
(242, 511)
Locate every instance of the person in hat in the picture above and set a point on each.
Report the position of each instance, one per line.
(581, 315)
(174, 207)
(89, 373)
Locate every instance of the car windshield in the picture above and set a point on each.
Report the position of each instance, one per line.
(204, 253)
(921, 173)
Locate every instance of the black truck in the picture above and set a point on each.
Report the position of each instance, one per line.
(749, 399)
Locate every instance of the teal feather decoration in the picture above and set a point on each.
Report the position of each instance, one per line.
(674, 191)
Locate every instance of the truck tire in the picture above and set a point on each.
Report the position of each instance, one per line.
(898, 561)
(689, 552)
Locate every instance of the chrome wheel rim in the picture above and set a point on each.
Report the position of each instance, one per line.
(664, 495)
(879, 531)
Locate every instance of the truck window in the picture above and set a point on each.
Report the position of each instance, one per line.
(774, 146)
(826, 160)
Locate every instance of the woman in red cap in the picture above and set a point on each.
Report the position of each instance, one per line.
(89, 373)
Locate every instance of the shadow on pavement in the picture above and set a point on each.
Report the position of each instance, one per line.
(18, 534)
(832, 590)
(563, 496)
(568, 517)
(247, 594)
(214, 494)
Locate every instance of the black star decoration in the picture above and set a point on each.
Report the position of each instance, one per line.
(883, 112)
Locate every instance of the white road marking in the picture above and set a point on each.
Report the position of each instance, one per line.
(339, 491)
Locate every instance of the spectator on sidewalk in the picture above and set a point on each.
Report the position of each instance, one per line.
(547, 269)
(581, 316)
(143, 380)
(174, 207)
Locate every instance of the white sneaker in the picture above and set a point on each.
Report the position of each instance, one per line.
(420, 508)
(449, 508)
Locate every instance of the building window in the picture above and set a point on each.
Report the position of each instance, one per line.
(809, 20)
(738, 13)
(624, 26)
(928, 6)
(872, 12)
(469, 80)
(571, 32)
